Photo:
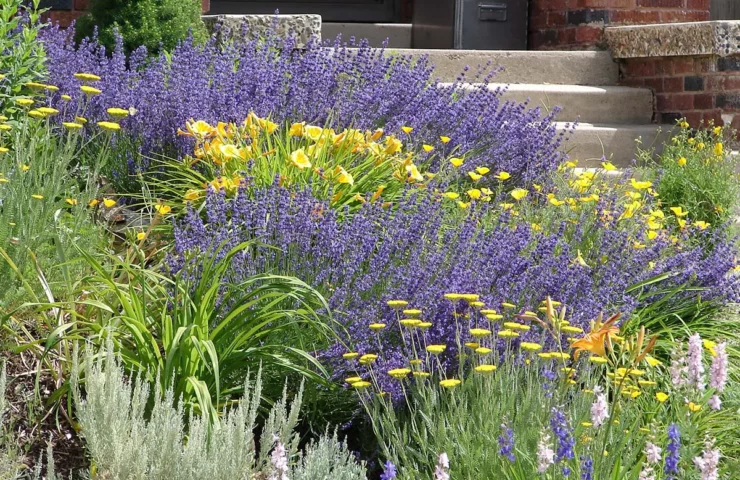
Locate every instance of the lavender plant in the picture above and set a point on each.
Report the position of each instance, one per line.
(334, 87)
(416, 252)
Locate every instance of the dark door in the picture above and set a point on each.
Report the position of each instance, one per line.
(375, 11)
(725, 10)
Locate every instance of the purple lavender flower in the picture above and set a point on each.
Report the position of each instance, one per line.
(563, 434)
(600, 407)
(695, 364)
(389, 471)
(545, 453)
(362, 88)
(673, 452)
(652, 453)
(506, 443)
(587, 468)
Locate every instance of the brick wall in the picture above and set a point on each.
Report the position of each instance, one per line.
(65, 12)
(579, 24)
(700, 88)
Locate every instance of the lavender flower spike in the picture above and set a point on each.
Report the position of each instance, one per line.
(389, 471)
(708, 463)
(600, 407)
(696, 368)
(506, 442)
(441, 472)
(279, 460)
(673, 450)
(545, 454)
(719, 368)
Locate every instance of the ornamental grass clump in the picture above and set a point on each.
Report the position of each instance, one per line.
(593, 405)
(337, 87)
(415, 253)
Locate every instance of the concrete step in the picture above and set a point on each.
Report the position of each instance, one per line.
(612, 105)
(617, 143)
(397, 34)
(594, 68)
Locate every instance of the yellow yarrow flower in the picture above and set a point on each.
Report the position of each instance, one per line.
(483, 350)
(24, 102)
(479, 332)
(111, 126)
(517, 326)
(350, 355)
(72, 125)
(118, 112)
(436, 349)
(508, 334)
(412, 312)
(486, 368)
(48, 111)
(36, 114)
(397, 303)
(450, 383)
(399, 373)
(599, 360)
(37, 196)
(530, 346)
(87, 77)
(362, 384)
(66, 98)
(410, 322)
(424, 325)
(90, 91)
(377, 326)
(368, 358)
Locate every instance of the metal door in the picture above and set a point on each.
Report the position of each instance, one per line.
(470, 24)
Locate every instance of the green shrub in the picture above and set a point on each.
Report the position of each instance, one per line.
(126, 443)
(22, 57)
(696, 173)
(155, 24)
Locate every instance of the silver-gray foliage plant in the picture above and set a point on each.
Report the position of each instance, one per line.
(124, 445)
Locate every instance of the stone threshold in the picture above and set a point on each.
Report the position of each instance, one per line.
(720, 38)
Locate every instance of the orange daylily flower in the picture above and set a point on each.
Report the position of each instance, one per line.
(595, 340)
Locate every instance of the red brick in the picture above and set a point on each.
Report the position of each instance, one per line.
(712, 117)
(683, 65)
(632, 17)
(736, 122)
(697, 4)
(661, 3)
(538, 21)
(682, 103)
(633, 82)
(663, 103)
(664, 67)
(63, 17)
(81, 4)
(567, 36)
(655, 83)
(674, 16)
(731, 82)
(640, 68)
(705, 64)
(693, 118)
(556, 19)
(715, 83)
(206, 5)
(703, 101)
(589, 34)
(673, 84)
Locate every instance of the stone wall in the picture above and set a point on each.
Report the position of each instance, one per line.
(65, 12)
(579, 24)
(694, 69)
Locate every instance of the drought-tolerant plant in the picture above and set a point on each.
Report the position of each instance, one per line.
(22, 57)
(337, 88)
(697, 176)
(594, 406)
(127, 442)
(155, 24)
(416, 251)
(45, 188)
(8, 463)
(200, 335)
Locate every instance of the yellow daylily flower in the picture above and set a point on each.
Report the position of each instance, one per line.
(299, 159)
(343, 176)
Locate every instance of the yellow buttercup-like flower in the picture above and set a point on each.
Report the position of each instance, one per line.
(463, 205)
(162, 209)
(71, 201)
(427, 148)
(608, 166)
(681, 161)
(474, 193)
(482, 170)
(694, 407)
(661, 396)
(503, 176)
(456, 162)
(640, 185)
(444, 139)
(141, 236)
(4, 150)
(407, 130)
(37, 196)
(679, 211)
(519, 193)
(108, 202)
(474, 176)
(451, 195)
